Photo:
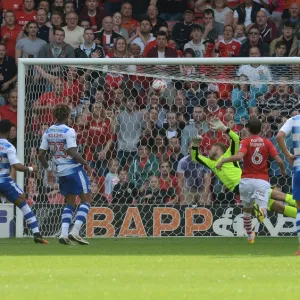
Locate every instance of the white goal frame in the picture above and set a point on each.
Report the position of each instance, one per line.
(25, 62)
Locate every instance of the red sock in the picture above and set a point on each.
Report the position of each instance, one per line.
(247, 223)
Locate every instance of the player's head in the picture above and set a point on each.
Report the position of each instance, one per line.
(5, 126)
(217, 150)
(61, 113)
(254, 126)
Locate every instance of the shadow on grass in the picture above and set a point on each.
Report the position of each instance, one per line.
(219, 247)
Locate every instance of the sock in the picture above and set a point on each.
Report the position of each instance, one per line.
(290, 211)
(66, 219)
(298, 224)
(81, 215)
(29, 217)
(289, 199)
(248, 222)
(270, 203)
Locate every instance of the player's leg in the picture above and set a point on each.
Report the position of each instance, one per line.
(14, 194)
(83, 210)
(280, 196)
(246, 191)
(281, 208)
(66, 219)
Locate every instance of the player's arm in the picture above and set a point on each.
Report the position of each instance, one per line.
(234, 141)
(196, 156)
(280, 164)
(16, 164)
(234, 158)
(285, 130)
(42, 153)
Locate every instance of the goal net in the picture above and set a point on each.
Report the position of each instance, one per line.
(135, 119)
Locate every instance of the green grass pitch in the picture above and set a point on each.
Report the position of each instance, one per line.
(166, 268)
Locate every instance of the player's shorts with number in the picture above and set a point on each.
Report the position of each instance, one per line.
(76, 183)
(9, 189)
(254, 190)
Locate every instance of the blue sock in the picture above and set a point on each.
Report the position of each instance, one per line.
(66, 219)
(29, 217)
(298, 224)
(81, 215)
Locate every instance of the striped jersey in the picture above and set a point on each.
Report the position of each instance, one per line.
(8, 157)
(60, 138)
(292, 125)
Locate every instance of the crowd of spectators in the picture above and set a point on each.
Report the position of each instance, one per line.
(137, 140)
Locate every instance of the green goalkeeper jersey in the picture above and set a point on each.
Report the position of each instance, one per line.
(230, 173)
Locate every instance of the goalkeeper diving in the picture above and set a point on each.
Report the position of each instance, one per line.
(230, 174)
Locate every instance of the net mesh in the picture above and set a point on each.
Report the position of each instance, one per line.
(137, 139)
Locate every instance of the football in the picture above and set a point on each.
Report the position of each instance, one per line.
(159, 86)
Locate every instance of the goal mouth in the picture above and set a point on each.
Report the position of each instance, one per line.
(123, 119)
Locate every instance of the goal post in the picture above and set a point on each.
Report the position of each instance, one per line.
(141, 218)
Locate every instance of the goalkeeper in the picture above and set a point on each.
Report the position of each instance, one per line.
(230, 174)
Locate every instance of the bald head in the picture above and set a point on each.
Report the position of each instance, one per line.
(294, 11)
(107, 24)
(261, 18)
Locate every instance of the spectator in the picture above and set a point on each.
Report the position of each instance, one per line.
(255, 73)
(100, 139)
(277, 8)
(254, 40)
(197, 43)
(129, 128)
(117, 21)
(180, 108)
(30, 45)
(56, 20)
(171, 10)
(289, 39)
(212, 30)
(107, 37)
(197, 126)
(294, 18)
(181, 30)
(173, 127)
(223, 14)
(135, 50)
(10, 110)
(142, 36)
(246, 13)
(58, 5)
(228, 47)
(15, 5)
(124, 192)
(74, 33)
(193, 182)
(88, 48)
(8, 71)
(27, 14)
(98, 198)
(278, 69)
(173, 154)
(168, 183)
(58, 48)
(211, 107)
(9, 33)
(44, 4)
(143, 166)
(128, 22)
(268, 30)
(187, 70)
(162, 50)
(92, 13)
(244, 97)
(68, 7)
(120, 48)
(85, 24)
(154, 102)
(240, 33)
(155, 21)
(111, 179)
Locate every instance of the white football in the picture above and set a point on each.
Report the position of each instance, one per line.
(159, 86)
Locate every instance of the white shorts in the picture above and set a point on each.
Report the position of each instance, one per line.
(254, 190)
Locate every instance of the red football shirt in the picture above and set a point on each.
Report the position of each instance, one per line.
(7, 113)
(23, 18)
(10, 43)
(47, 101)
(73, 92)
(229, 49)
(14, 5)
(257, 150)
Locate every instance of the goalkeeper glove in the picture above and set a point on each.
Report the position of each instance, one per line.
(217, 124)
(196, 140)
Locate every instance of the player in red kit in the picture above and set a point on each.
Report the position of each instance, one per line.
(254, 186)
